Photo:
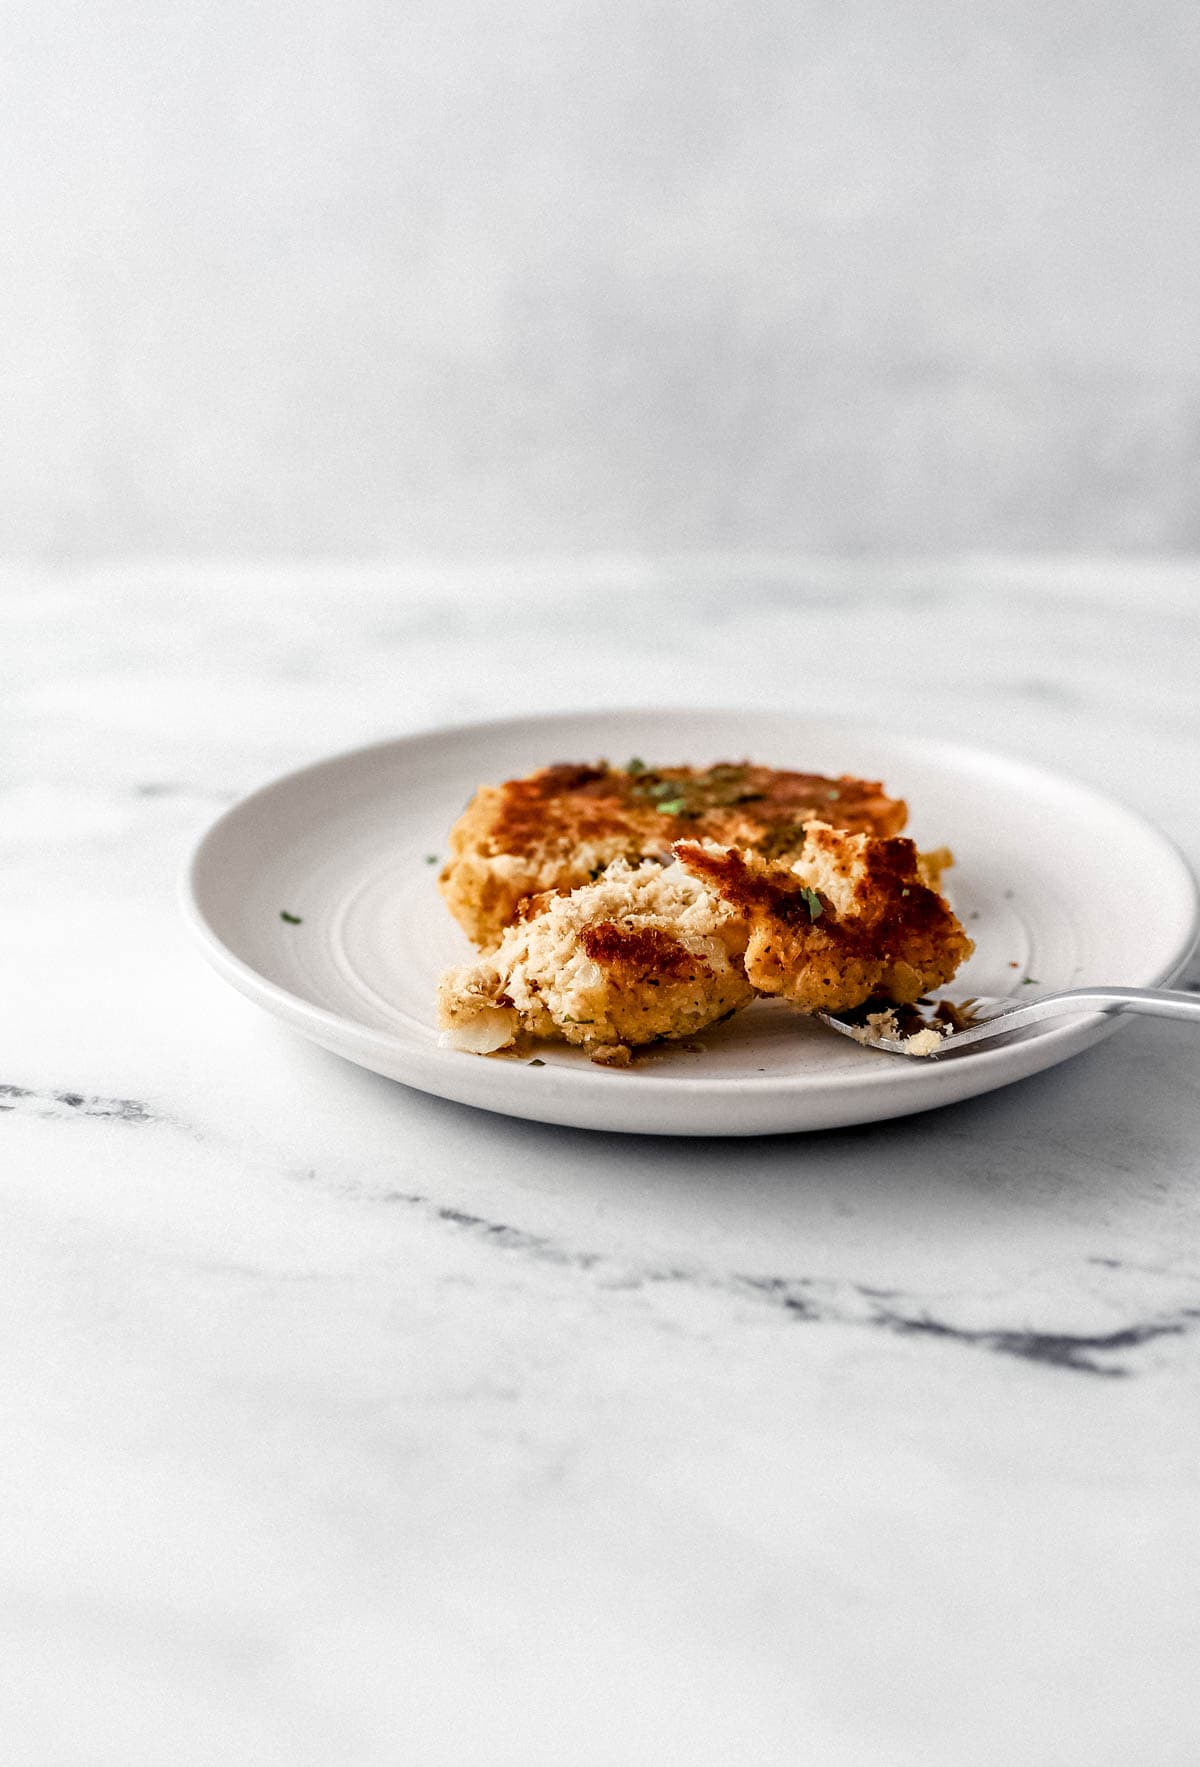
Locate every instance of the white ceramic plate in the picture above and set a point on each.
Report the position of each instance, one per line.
(1042, 882)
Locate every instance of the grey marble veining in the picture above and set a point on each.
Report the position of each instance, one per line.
(347, 1424)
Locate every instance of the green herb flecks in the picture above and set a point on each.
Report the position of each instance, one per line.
(537, 1062)
(813, 903)
(292, 919)
(431, 858)
(676, 807)
(635, 766)
(1030, 982)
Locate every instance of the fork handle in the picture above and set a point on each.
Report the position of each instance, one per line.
(1158, 1002)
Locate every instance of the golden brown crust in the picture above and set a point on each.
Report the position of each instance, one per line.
(852, 919)
(560, 826)
(640, 953)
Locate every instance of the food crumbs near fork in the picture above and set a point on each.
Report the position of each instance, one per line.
(884, 1026)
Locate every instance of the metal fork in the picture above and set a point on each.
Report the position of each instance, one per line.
(967, 1023)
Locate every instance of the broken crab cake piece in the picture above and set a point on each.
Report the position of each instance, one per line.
(644, 952)
(561, 826)
(853, 918)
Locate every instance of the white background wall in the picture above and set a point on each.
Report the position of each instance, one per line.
(445, 276)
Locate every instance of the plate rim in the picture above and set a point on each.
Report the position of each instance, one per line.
(298, 1011)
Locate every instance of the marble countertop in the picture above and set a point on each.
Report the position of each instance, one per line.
(344, 1425)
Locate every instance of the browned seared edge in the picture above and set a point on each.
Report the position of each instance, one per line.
(894, 936)
(640, 952)
(764, 807)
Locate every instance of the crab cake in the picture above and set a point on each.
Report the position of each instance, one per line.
(645, 952)
(560, 827)
(851, 919)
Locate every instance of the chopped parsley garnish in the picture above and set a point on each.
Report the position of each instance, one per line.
(537, 1062)
(292, 919)
(676, 807)
(635, 766)
(1030, 982)
(813, 903)
(431, 858)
